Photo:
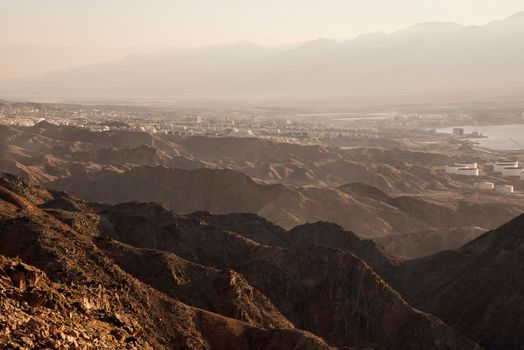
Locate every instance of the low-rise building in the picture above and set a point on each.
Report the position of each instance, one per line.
(458, 132)
(469, 169)
(504, 189)
(467, 165)
(498, 166)
(513, 172)
(484, 185)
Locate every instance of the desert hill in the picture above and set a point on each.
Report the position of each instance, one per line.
(324, 234)
(119, 306)
(472, 275)
(476, 288)
(48, 152)
(260, 285)
(289, 184)
(224, 191)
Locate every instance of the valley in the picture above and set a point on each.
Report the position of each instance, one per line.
(151, 240)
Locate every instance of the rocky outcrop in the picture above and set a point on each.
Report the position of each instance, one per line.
(320, 233)
(39, 314)
(365, 210)
(476, 288)
(225, 292)
(306, 283)
(178, 279)
(91, 292)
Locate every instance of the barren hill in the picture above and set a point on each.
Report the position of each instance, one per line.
(224, 191)
(289, 184)
(475, 288)
(201, 275)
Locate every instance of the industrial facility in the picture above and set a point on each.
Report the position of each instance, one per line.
(499, 166)
(484, 185)
(506, 168)
(513, 172)
(504, 189)
(468, 169)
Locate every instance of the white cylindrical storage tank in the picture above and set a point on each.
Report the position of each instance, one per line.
(484, 185)
(512, 171)
(468, 172)
(504, 189)
(500, 165)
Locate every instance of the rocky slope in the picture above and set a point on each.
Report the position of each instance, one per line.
(37, 313)
(323, 234)
(167, 281)
(476, 288)
(224, 191)
(119, 309)
(311, 182)
(428, 242)
(49, 152)
(292, 278)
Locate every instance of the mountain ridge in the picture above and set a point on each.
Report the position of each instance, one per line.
(291, 278)
(405, 60)
(476, 286)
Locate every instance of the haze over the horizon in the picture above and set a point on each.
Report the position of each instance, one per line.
(39, 36)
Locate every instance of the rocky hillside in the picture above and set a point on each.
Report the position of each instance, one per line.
(323, 234)
(37, 313)
(289, 184)
(151, 278)
(476, 288)
(93, 292)
(356, 207)
(48, 152)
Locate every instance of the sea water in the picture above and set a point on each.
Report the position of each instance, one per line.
(498, 137)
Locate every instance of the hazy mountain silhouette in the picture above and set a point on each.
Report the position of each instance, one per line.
(425, 57)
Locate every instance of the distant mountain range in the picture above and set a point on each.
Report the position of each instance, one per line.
(423, 58)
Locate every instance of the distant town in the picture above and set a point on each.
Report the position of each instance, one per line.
(340, 129)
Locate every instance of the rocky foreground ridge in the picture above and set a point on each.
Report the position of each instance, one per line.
(137, 275)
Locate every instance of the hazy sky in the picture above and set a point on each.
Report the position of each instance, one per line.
(202, 22)
(41, 25)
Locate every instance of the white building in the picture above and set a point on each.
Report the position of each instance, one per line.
(467, 165)
(504, 188)
(517, 172)
(469, 169)
(484, 185)
(498, 166)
